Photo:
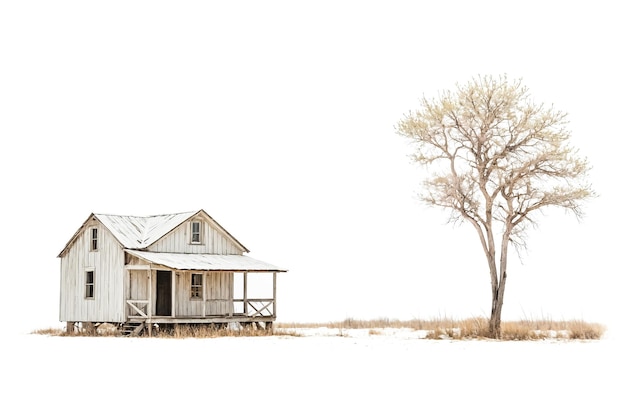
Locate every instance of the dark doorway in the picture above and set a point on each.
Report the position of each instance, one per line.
(164, 293)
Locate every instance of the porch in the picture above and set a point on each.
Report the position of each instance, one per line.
(240, 310)
(172, 288)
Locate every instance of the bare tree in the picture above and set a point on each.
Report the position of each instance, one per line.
(496, 159)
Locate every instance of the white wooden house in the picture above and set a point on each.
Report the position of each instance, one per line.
(172, 268)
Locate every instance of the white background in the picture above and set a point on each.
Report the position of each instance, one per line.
(277, 118)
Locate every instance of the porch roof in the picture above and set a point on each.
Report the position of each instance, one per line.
(205, 262)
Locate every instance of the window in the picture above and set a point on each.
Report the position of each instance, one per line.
(195, 232)
(89, 284)
(94, 239)
(196, 286)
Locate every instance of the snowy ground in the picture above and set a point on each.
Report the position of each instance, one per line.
(354, 373)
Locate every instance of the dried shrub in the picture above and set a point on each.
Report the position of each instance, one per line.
(581, 330)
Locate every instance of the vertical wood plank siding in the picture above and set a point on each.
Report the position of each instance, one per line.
(219, 289)
(212, 241)
(114, 284)
(138, 289)
(108, 265)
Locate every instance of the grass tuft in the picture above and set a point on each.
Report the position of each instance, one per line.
(581, 330)
(50, 332)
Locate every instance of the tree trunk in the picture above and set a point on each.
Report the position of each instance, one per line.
(494, 321)
(496, 308)
(497, 274)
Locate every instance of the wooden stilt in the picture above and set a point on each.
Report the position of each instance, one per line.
(89, 327)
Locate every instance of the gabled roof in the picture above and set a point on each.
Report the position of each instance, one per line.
(139, 232)
(206, 262)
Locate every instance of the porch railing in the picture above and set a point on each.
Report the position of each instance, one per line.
(255, 307)
(250, 307)
(139, 306)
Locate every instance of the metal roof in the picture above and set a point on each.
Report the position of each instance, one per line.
(205, 262)
(139, 232)
(135, 232)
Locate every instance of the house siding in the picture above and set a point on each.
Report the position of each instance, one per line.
(108, 265)
(213, 240)
(126, 275)
(137, 288)
(218, 290)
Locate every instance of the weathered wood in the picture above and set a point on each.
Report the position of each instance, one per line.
(127, 288)
(132, 304)
(204, 285)
(214, 239)
(107, 262)
(245, 293)
(150, 304)
(89, 327)
(124, 288)
(263, 307)
(173, 293)
(230, 298)
(137, 267)
(204, 320)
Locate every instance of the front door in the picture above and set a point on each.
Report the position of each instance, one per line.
(164, 293)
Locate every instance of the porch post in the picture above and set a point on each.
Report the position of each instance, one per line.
(127, 292)
(231, 302)
(149, 301)
(149, 294)
(245, 293)
(204, 280)
(274, 293)
(173, 293)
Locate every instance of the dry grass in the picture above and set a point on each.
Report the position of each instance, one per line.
(581, 330)
(211, 331)
(50, 332)
(472, 328)
(548, 328)
(175, 332)
(380, 323)
(436, 328)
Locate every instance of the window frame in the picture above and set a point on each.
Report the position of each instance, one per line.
(93, 241)
(193, 234)
(90, 287)
(196, 291)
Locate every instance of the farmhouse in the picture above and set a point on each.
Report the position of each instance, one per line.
(137, 272)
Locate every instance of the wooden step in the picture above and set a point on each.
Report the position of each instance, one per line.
(132, 329)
